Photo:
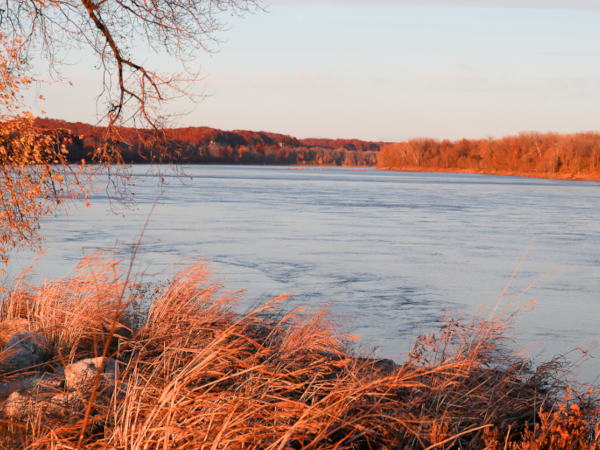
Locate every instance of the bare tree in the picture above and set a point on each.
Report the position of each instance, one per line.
(116, 32)
(35, 178)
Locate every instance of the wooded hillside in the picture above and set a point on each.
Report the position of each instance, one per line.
(530, 153)
(203, 145)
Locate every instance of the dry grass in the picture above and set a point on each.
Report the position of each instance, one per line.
(195, 375)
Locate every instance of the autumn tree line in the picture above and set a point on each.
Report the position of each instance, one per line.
(528, 153)
(203, 145)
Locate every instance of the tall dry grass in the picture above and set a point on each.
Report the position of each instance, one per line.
(193, 374)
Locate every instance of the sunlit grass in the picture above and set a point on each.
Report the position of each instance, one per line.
(195, 374)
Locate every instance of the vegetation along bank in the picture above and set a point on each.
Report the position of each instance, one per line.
(96, 361)
(549, 155)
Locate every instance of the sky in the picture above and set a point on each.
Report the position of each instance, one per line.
(388, 70)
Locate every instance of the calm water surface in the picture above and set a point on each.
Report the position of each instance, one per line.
(395, 251)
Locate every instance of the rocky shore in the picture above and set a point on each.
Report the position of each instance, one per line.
(28, 385)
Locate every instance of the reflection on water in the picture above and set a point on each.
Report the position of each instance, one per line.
(393, 250)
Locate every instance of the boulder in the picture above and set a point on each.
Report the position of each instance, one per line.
(18, 406)
(60, 393)
(21, 405)
(63, 404)
(13, 361)
(10, 327)
(40, 383)
(44, 383)
(32, 342)
(80, 376)
(24, 349)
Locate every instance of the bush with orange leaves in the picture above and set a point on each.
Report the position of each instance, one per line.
(35, 179)
(194, 374)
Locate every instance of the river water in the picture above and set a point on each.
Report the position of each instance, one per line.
(395, 251)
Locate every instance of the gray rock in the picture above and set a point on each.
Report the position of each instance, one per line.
(40, 383)
(27, 341)
(7, 387)
(24, 350)
(11, 361)
(63, 404)
(80, 376)
(10, 327)
(49, 382)
(21, 406)
(386, 365)
(58, 393)
(44, 383)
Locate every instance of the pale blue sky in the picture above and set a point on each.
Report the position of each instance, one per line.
(391, 70)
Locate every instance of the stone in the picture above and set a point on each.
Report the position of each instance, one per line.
(13, 361)
(7, 387)
(44, 383)
(386, 365)
(63, 404)
(18, 406)
(80, 376)
(10, 327)
(28, 341)
(57, 394)
(25, 349)
(40, 383)
(49, 382)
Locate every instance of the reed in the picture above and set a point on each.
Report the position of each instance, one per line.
(194, 374)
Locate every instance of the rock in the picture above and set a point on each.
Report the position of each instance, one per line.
(10, 327)
(7, 387)
(32, 342)
(45, 392)
(18, 406)
(40, 383)
(63, 404)
(13, 361)
(80, 376)
(44, 383)
(24, 349)
(81, 373)
(49, 382)
(386, 365)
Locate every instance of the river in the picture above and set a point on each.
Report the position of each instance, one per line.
(394, 251)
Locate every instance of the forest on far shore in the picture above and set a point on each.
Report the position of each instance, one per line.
(203, 145)
(528, 153)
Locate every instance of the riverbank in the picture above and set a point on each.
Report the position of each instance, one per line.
(175, 367)
(580, 176)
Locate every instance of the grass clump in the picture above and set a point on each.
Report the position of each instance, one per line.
(194, 374)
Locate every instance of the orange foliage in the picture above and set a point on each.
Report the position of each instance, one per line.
(203, 145)
(532, 154)
(35, 178)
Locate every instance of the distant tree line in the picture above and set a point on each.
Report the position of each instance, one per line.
(528, 153)
(203, 145)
